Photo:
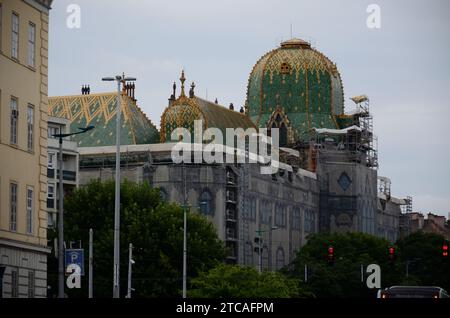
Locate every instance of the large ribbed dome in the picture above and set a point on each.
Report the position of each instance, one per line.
(295, 85)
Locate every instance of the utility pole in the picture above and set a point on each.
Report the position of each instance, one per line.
(184, 234)
(362, 273)
(306, 273)
(61, 224)
(91, 258)
(61, 209)
(130, 264)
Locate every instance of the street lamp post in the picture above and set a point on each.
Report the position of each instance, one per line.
(116, 287)
(61, 213)
(130, 264)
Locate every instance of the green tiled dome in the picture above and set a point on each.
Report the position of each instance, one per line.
(297, 85)
(183, 111)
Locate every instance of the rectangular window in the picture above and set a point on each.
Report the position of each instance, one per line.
(14, 284)
(31, 44)
(30, 284)
(29, 210)
(50, 190)
(30, 126)
(52, 130)
(15, 36)
(14, 120)
(51, 160)
(13, 207)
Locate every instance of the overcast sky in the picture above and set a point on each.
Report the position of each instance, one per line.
(404, 66)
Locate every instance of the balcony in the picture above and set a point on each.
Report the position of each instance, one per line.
(67, 175)
(68, 145)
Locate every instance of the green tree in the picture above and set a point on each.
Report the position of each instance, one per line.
(234, 281)
(422, 253)
(154, 227)
(343, 277)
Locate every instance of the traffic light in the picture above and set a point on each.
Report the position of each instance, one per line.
(330, 255)
(445, 249)
(391, 254)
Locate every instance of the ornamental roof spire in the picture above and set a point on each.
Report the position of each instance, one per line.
(182, 79)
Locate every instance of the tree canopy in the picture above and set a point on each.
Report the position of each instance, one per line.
(234, 281)
(342, 278)
(419, 253)
(154, 227)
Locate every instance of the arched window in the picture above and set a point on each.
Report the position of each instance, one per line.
(283, 135)
(280, 215)
(205, 203)
(296, 219)
(280, 258)
(279, 123)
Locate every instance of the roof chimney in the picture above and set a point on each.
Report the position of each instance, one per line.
(231, 106)
(191, 91)
(85, 90)
(172, 97)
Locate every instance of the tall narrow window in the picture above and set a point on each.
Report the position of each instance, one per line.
(14, 284)
(30, 126)
(15, 36)
(30, 284)
(14, 120)
(296, 219)
(31, 44)
(13, 207)
(51, 160)
(280, 258)
(29, 210)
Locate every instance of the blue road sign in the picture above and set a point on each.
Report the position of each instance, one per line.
(75, 256)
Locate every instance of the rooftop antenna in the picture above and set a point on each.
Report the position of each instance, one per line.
(206, 97)
(291, 30)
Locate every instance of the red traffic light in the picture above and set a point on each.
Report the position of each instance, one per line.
(445, 249)
(391, 253)
(330, 254)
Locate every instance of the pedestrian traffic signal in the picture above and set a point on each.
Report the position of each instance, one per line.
(445, 249)
(330, 254)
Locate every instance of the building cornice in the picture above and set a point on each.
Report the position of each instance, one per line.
(24, 246)
(41, 5)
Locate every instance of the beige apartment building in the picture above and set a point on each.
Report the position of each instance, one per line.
(23, 147)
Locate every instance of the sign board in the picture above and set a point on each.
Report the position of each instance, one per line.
(75, 256)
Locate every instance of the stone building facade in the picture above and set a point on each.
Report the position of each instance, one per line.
(23, 147)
